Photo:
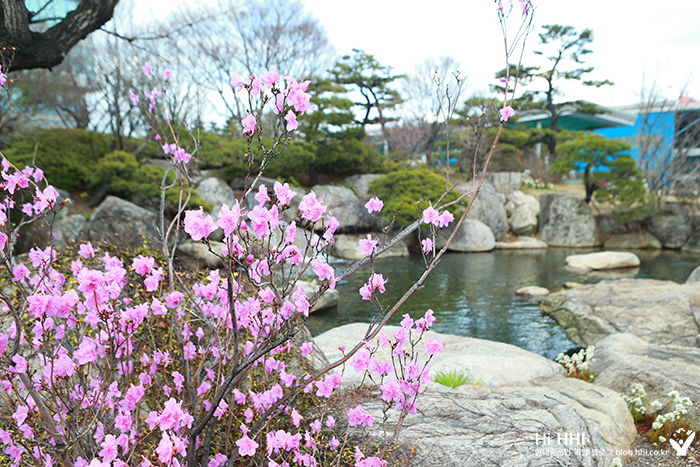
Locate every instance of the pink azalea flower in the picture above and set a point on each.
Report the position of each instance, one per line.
(283, 193)
(237, 82)
(433, 347)
(87, 250)
(147, 69)
(359, 416)
(506, 112)
(143, 265)
(198, 225)
(229, 218)
(306, 348)
(133, 98)
(269, 78)
(431, 216)
(166, 74)
(3, 78)
(368, 245)
(249, 124)
(374, 205)
(291, 119)
(246, 446)
(445, 219)
(311, 207)
(427, 245)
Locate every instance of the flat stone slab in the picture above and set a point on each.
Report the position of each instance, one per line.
(523, 397)
(532, 291)
(658, 312)
(522, 243)
(603, 260)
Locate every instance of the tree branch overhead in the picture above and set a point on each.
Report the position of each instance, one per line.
(22, 48)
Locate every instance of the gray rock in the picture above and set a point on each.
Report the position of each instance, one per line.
(522, 243)
(672, 226)
(523, 221)
(217, 192)
(659, 312)
(122, 223)
(453, 429)
(623, 360)
(195, 255)
(487, 208)
(472, 236)
(329, 299)
(505, 182)
(567, 221)
(68, 229)
(532, 291)
(360, 183)
(694, 276)
(238, 184)
(518, 199)
(603, 260)
(347, 246)
(644, 241)
(493, 363)
(693, 243)
(347, 207)
(523, 398)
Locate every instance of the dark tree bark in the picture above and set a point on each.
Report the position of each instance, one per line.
(24, 49)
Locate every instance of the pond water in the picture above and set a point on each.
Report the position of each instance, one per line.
(473, 294)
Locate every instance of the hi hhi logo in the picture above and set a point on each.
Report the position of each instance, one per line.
(562, 439)
(682, 447)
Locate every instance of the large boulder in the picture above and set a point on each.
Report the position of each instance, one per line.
(487, 208)
(329, 299)
(672, 226)
(217, 192)
(122, 223)
(506, 182)
(694, 276)
(633, 241)
(659, 312)
(454, 429)
(360, 183)
(603, 260)
(567, 221)
(347, 207)
(348, 247)
(472, 236)
(522, 398)
(623, 360)
(693, 243)
(68, 229)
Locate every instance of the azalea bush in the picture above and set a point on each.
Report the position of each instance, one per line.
(109, 362)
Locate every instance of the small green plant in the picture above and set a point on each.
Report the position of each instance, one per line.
(406, 193)
(664, 427)
(578, 365)
(455, 378)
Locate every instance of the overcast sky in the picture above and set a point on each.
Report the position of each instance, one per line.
(632, 39)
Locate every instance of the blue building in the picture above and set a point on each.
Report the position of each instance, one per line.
(665, 140)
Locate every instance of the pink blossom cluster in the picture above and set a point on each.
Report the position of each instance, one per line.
(432, 216)
(104, 357)
(288, 95)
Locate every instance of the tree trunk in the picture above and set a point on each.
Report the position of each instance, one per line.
(23, 49)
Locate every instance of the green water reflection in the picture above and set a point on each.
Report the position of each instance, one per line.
(473, 294)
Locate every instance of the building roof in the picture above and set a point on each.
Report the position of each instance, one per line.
(571, 119)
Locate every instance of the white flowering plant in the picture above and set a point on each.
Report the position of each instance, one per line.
(578, 365)
(659, 427)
